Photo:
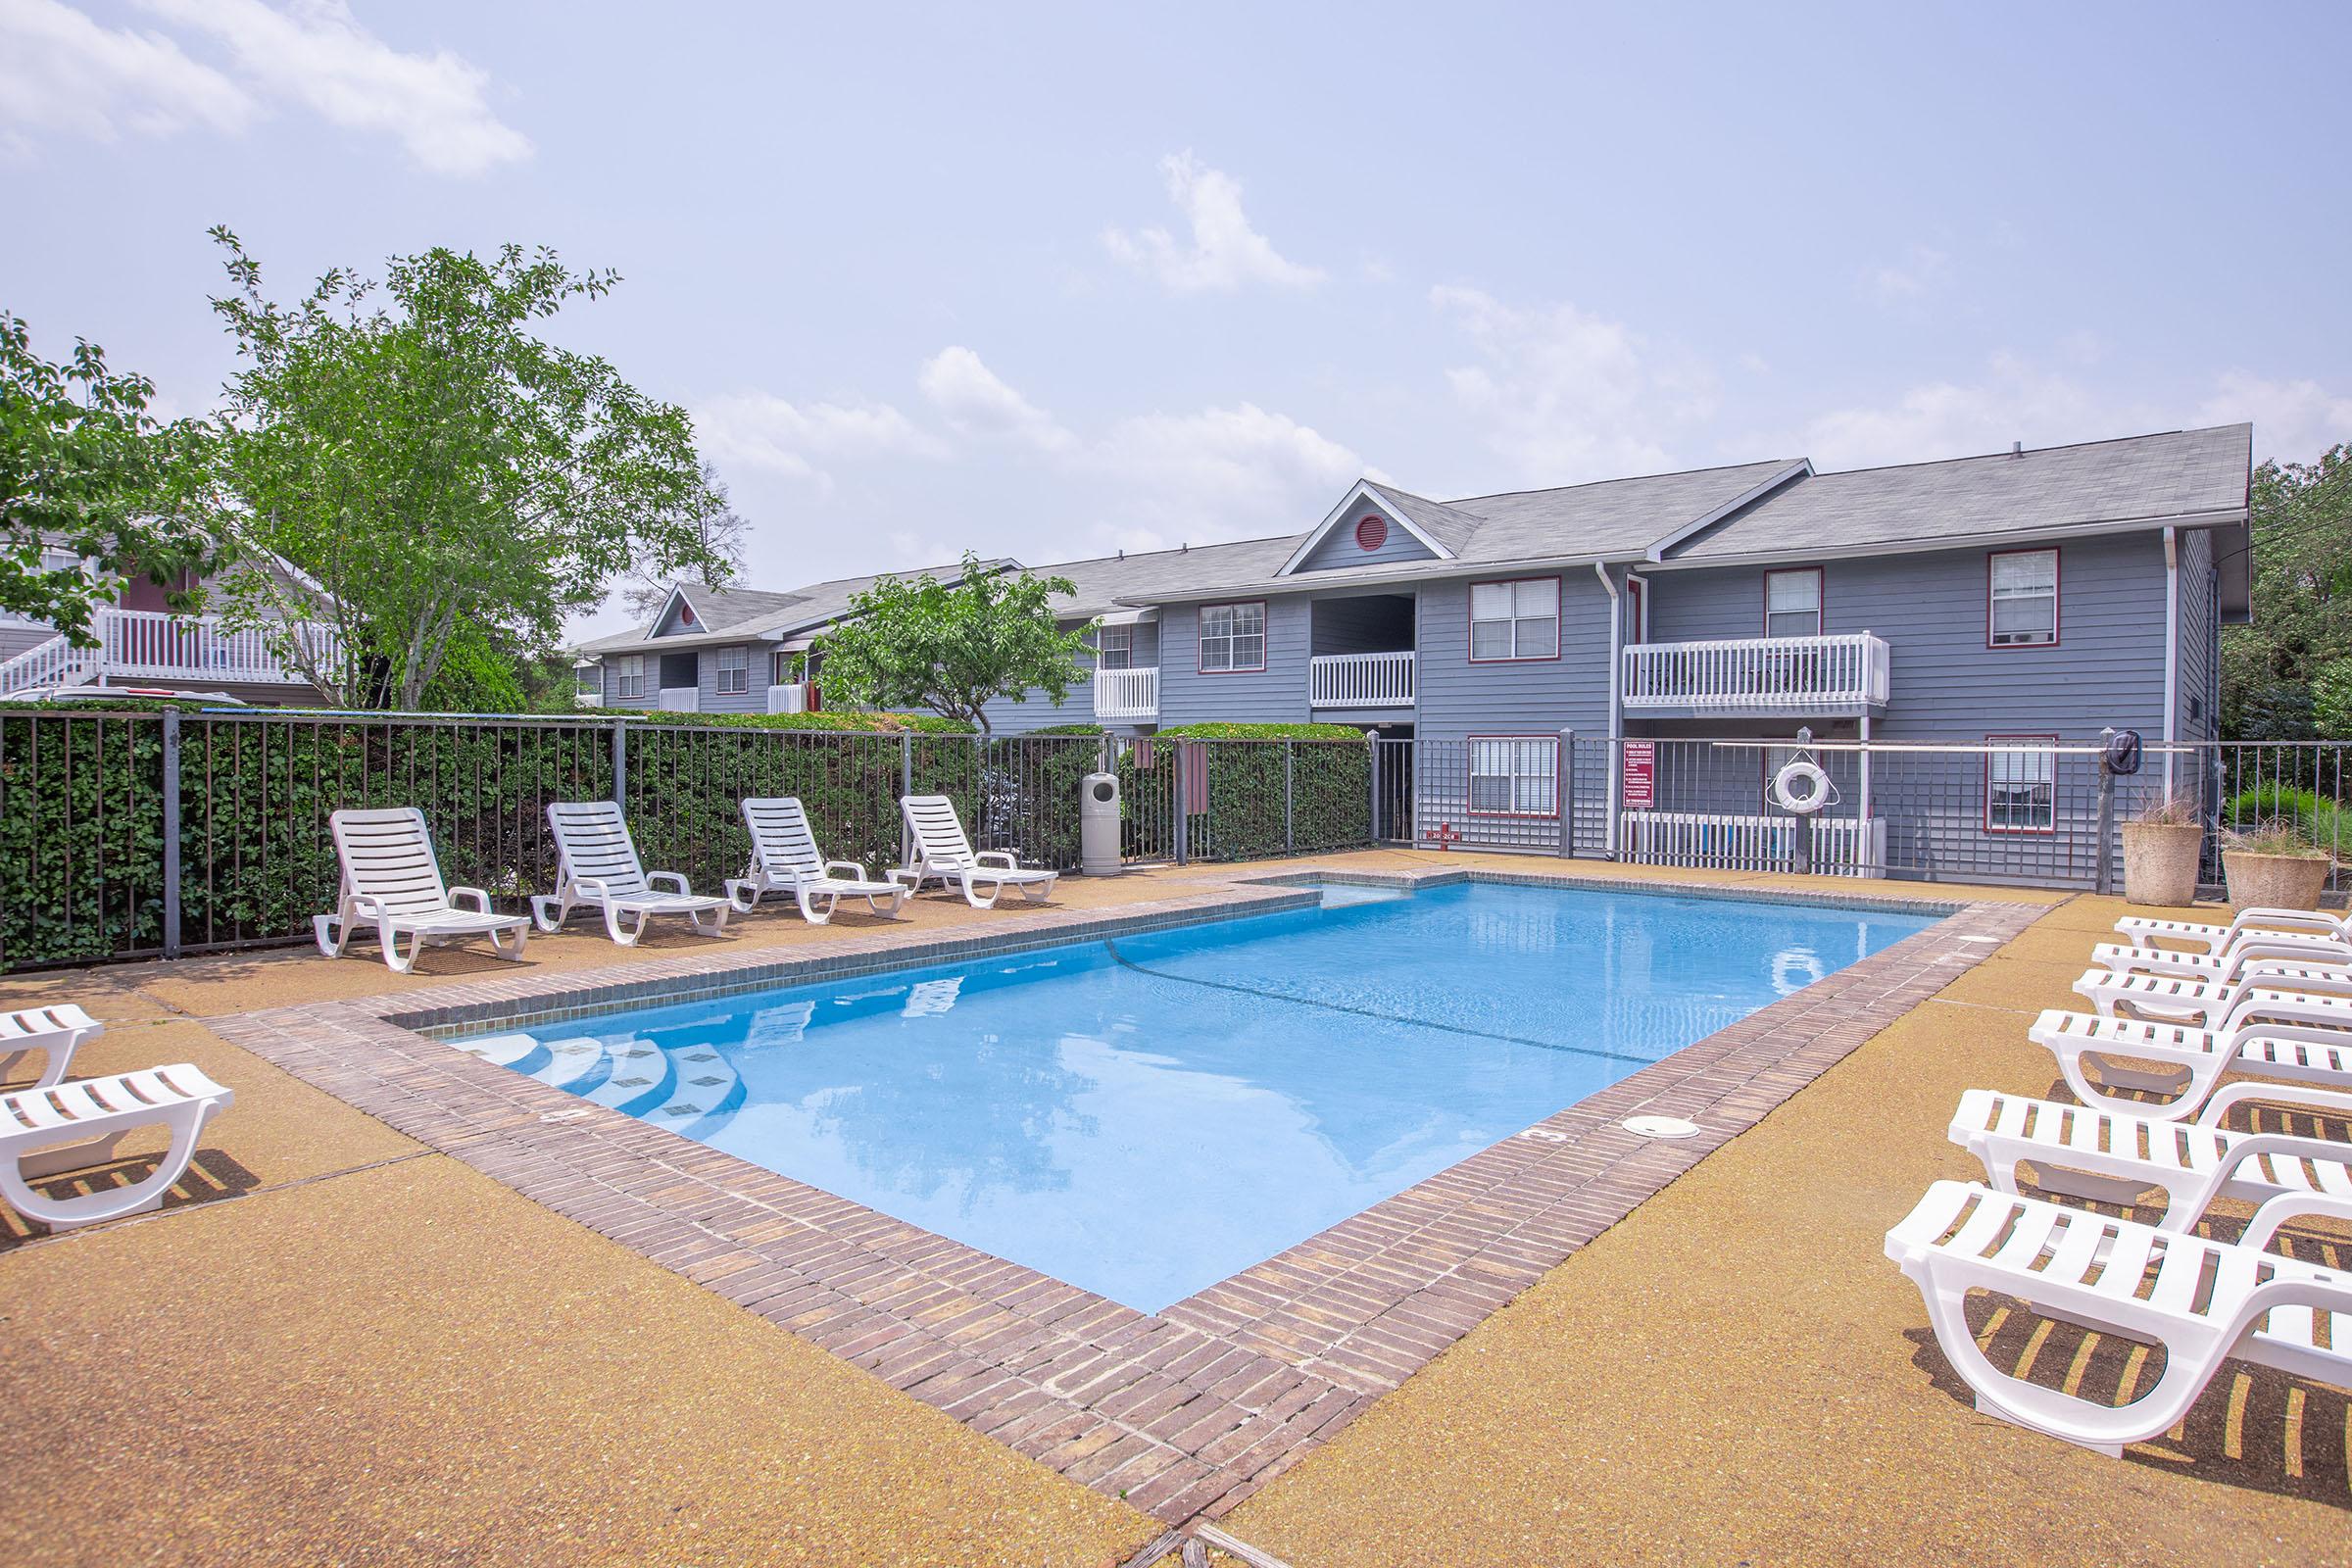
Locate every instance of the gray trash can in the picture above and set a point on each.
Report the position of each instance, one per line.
(1098, 825)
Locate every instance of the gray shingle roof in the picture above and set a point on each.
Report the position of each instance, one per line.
(812, 606)
(2137, 480)
(1446, 524)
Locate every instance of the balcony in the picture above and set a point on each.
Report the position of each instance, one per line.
(1845, 674)
(793, 697)
(1360, 680)
(1129, 695)
(157, 648)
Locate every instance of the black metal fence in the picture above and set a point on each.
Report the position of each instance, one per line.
(2029, 811)
(127, 834)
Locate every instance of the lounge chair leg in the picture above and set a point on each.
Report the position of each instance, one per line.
(613, 925)
(498, 943)
(971, 894)
(809, 909)
(544, 901)
(743, 896)
(390, 940)
(718, 917)
(186, 1121)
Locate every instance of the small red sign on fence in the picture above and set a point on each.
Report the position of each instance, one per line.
(1640, 775)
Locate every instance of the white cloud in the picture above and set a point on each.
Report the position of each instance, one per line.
(61, 71)
(761, 430)
(316, 53)
(1568, 396)
(1225, 251)
(976, 401)
(1923, 269)
(2294, 421)
(1220, 473)
(2014, 400)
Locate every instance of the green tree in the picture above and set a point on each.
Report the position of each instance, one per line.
(2301, 516)
(950, 647)
(84, 468)
(431, 467)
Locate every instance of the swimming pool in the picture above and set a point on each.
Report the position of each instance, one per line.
(1147, 1115)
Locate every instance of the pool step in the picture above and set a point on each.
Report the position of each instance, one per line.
(704, 1085)
(639, 1076)
(521, 1052)
(571, 1061)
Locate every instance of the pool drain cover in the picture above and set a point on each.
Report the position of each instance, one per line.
(1660, 1126)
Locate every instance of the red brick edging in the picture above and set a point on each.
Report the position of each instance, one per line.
(1183, 1413)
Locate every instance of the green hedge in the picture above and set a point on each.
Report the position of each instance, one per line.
(1219, 731)
(1242, 818)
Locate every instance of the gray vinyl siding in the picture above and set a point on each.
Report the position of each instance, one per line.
(19, 637)
(611, 674)
(1458, 698)
(2200, 640)
(1008, 717)
(1275, 695)
(709, 700)
(1341, 550)
(2106, 669)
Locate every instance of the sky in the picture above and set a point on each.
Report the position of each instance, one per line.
(1048, 281)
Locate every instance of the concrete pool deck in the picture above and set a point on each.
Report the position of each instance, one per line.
(386, 1355)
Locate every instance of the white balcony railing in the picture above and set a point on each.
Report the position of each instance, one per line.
(793, 697)
(679, 699)
(1127, 692)
(1758, 674)
(1360, 680)
(154, 646)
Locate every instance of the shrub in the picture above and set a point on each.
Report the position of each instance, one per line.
(2321, 820)
(2279, 836)
(1221, 731)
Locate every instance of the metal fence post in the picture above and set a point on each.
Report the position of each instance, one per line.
(1290, 841)
(1372, 773)
(1567, 794)
(171, 832)
(1184, 822)
(907, 788)
(620, 765)
(2103, 879)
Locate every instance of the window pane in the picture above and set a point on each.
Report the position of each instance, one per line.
(1248, 620)
(2035, 571)
(1538, 597)
(1248, 653)
(1216, 621)
(1490, 601)
(1791, 623)
(1793, 590)
(1536, 639)
(1217, 655)
(1490, 639)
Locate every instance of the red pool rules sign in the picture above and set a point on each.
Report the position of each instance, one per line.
(1640, 775)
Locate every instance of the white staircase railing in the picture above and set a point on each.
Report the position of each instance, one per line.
(1767, 674)
(1127, 692)
(1360, 680)
(54, 662)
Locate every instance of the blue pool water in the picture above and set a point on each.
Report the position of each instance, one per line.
(1146, 1116)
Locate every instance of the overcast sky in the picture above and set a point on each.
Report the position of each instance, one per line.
(1051, 280)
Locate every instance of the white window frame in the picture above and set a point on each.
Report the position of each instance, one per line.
(1816, 590)
(734, 672)
(1529, 766)
(1997, 595)
(2029, 763)
(1225, 628)
(1534, 605)
(628, 676)
(1114, 647)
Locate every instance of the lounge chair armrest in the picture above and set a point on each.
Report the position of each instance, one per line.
(363, 907)
(986, 856)
(676, 879)
(460, 898)
(856, 868)
(2276, 1211)
(2245, 1091)
(588, 888)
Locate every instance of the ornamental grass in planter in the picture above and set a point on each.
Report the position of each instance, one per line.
(2275, 866)
(2162, 847)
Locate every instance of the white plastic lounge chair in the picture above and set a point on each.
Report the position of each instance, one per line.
(88, 1119)
(2272, 925)
(2318, 952)
(2303, 1041)
(55, 1032)
(392, 885)
(2204, 1301)
(600, 868)
(2174, 999)
(2109, 1159)
(940, 850)
(785, 860)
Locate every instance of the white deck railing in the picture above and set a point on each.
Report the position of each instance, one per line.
(1843, 845)
(678, 699)
(1360, 680)
(1127, 692)
(147, 645)
(1771, 674)
(793, 697)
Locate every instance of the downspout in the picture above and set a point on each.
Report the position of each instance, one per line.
(2171, 650)
(1616, 704)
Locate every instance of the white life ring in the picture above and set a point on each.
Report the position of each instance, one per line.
(1801, 787)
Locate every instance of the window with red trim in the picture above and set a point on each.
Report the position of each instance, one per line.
(1515, 619)
(2021, 599)
(1793, 602)
(1233, 637)
(2021, 784)
(1514, 775)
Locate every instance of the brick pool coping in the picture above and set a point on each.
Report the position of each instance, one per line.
(1183, 1413)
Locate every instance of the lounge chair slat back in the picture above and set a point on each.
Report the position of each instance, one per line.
(781, 841)
(937, 830)
(594, 842)
(388, 857)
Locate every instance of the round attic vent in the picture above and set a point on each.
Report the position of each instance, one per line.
(1372, 532)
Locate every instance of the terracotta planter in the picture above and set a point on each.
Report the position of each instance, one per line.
(2275, 881)
(2160, 863)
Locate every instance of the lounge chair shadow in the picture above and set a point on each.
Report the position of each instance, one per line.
(2252, 1427)
(211, 1176)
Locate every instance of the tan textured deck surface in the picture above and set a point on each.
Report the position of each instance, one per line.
(381, 1356)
